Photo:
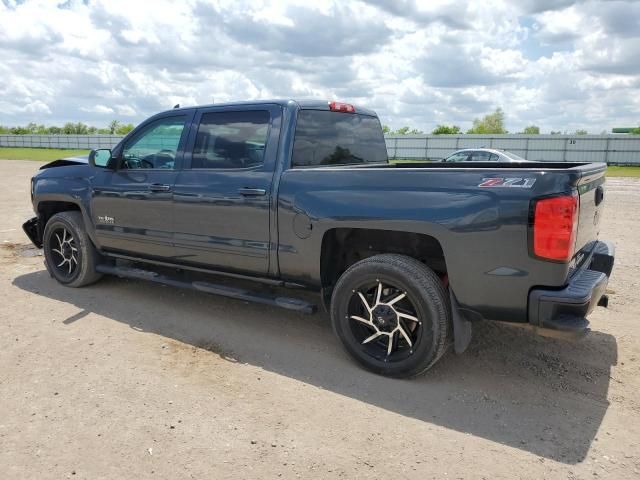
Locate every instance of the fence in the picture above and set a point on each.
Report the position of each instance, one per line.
(613, 149)
(60, 141)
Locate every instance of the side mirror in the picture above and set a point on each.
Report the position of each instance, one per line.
(100, 158)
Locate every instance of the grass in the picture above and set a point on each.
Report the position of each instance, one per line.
(615, 171)
(38, 154)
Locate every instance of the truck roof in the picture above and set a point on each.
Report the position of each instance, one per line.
(306, 104)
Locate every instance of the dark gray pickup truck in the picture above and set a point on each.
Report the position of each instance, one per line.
(406, 256)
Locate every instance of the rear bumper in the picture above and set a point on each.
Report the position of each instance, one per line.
(32, 229)
(562, 313)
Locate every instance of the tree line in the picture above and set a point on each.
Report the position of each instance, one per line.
(492, 123)
(69, 128)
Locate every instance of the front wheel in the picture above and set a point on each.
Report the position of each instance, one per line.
(392, 314)
(70, 256)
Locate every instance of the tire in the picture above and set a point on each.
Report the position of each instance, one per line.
(383, 340)
(69, 254)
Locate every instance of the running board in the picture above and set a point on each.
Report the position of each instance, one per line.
(289, 303)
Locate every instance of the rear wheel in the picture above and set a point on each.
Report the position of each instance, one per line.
(392, 314)
(70, 256)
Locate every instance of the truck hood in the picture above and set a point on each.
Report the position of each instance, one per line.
(63, 162)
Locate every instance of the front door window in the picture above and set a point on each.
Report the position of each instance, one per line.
(156, 146)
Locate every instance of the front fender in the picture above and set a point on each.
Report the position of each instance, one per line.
(63, 188)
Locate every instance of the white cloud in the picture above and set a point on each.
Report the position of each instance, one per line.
(125, 110)
(37, 107)
(97, 109)
(562, 64)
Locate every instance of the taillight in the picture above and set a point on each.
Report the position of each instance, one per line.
(555, 225)
(341, 107)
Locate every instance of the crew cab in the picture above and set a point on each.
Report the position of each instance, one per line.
(404, 256)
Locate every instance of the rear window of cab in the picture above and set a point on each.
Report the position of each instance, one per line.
(336, 138)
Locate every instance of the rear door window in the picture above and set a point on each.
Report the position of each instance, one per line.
(227, 140)
(481, 157)
(336, 138)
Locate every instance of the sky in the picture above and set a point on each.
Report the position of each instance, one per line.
(559, 64)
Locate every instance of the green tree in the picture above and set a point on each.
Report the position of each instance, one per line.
(446, 130)
(490, 123)
(402, 131)
(113, 126)
(125, 128)
(4, 129)
(386, 130)
(635, 131)
(78, 128)
(81, 129)
(532, 130)
(581, 132)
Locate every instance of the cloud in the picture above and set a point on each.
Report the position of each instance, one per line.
(98, 109)
(309, 33)
(451, 14)
(37, 106)
(452, 65)
(126, 110)
(560, 64)
(540, 6)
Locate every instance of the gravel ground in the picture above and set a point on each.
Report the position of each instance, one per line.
(127, 379)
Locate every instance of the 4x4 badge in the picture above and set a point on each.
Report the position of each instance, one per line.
(106, 219)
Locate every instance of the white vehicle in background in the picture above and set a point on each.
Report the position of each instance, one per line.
(483, 155)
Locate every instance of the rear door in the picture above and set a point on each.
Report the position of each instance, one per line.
(222, 197)
(132, 206)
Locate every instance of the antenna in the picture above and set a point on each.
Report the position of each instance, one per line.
(177, 105)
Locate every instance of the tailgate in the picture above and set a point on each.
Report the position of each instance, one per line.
(591, 191)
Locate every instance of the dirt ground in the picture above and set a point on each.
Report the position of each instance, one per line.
(126, 379)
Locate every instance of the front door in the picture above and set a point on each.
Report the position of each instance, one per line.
(132, 206)
(222, 196)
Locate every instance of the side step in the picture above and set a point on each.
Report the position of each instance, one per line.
(216, 289)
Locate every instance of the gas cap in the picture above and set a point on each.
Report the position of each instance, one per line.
(302, 225)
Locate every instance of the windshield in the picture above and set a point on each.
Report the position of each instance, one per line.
(335, 138)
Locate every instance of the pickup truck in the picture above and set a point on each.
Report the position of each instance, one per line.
(289, 194)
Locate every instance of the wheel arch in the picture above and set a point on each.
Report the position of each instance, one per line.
(342, 247)
(48, 207)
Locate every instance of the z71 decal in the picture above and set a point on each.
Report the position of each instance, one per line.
(508, 182)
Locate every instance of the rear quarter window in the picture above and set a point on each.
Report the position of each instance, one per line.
(335, 138)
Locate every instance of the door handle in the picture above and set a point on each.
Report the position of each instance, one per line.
(252, 192)
(159, 187)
